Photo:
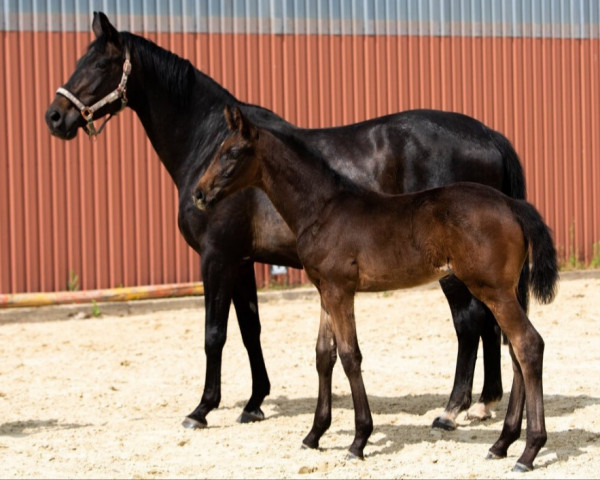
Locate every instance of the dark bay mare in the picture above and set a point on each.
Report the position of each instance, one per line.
(181, 110)
(351, 239)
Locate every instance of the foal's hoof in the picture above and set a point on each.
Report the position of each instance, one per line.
(492, 456)
(519, 467)
(253, 416)
(311, 441)
(444, 423)
(352, 456)
(189, 422)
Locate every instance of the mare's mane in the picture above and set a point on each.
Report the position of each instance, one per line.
(175, 74)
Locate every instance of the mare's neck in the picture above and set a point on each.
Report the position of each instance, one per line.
(180, 108)
(298, 183)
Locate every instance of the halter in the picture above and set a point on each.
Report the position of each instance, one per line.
(88, 112)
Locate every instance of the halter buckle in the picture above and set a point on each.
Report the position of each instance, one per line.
(87, 114)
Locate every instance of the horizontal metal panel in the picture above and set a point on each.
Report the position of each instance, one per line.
(507, 18)
(104, 212)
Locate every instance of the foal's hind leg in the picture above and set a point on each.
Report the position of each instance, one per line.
(527, 350)
(246, 307)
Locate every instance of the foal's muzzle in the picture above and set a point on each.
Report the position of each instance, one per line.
(200, 200)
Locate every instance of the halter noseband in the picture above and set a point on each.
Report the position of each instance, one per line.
(88, 112)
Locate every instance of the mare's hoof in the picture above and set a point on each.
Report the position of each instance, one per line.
(189, 422)
(519, 467)
(253, 416)
(444, 424)
(479, 411)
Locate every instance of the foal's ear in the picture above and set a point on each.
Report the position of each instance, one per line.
(244, 126)
(101, 25)
(229, 118)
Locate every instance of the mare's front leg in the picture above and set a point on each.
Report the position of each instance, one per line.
(326, 356)
(246, 307)
(219, 277)
(472, 320)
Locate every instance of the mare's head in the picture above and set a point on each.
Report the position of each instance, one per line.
(235, 164)
(96, 87)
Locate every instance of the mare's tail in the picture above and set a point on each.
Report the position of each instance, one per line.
(544, 270)
(513, 185)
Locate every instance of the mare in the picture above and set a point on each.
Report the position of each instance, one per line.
(351, 239)
(181, 109)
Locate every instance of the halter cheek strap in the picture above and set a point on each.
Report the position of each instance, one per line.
(88, 112)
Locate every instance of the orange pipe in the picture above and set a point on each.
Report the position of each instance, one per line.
(103, 295)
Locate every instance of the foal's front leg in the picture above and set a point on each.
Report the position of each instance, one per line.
(326, 357)
(340, 306)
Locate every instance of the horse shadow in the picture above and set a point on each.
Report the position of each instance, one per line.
(390, 438)
(24, 428)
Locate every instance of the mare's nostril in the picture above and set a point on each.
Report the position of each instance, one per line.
(53, 116)
(199, 195)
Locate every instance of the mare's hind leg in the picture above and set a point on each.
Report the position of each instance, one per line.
(491, 392)
(326, 357)
(472, 320)
(218, 278)
(527, 351)
(246, 307)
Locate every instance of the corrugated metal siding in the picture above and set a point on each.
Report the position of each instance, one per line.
(106, 210)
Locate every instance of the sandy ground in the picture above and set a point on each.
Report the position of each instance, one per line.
(104, 397)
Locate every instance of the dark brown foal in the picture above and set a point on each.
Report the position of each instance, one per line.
(352, 240)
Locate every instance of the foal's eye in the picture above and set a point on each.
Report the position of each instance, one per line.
(235, 153)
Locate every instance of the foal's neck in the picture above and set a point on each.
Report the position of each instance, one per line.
(298, 182)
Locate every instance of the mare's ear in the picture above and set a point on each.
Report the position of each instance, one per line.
(231, 125)
(244, 126)
(101, 25)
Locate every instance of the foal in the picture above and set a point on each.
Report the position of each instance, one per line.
(351, 240)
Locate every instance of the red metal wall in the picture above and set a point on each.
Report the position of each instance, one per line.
(106, 210)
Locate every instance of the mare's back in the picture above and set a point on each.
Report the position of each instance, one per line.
(410, 151)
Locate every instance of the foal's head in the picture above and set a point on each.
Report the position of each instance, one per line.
(235, 164)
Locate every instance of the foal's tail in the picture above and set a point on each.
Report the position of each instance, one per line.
(544, 270)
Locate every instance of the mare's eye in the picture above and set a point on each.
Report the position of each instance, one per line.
(235, 153)
(101, 64)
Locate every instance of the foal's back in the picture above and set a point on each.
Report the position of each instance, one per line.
(380, 242)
